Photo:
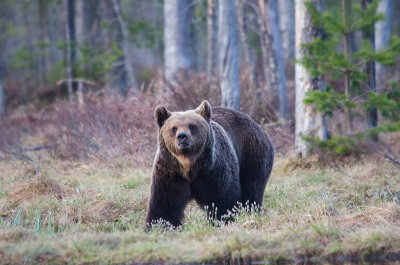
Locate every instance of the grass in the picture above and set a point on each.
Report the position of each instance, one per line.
(76, 212)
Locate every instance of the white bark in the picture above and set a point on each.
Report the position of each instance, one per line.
(228, 54)
(128, 58)
(273, 63)
(69, 32)
(273, 23)
(248, 53)
(176, 38)
(382, 34)
(81, 34)
(212, 39)
(286, 25)
(308, 121)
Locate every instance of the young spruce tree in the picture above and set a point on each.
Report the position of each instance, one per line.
(330, 56)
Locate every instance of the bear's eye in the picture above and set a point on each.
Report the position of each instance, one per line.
(174, 129)
(192, 127)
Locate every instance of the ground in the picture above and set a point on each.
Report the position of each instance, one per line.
(97, 212)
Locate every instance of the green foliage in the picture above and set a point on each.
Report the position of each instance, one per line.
(327, 102)
(142, 33)
(57, 72)
(22, 59)
(94, 63)
(387, 103)
(336, 145)
(325, 56)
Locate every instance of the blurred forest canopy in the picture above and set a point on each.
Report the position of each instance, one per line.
(33, 42)
(239, 54)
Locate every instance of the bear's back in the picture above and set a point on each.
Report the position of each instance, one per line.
(247, 137)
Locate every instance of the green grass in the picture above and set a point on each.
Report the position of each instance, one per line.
(95, 213)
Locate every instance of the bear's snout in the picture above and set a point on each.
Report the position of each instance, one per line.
(183, 139)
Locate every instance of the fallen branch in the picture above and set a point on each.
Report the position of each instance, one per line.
(391, 159)
(40, 147)
(89, 82)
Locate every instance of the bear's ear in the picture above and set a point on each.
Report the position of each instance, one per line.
(162, 114)
(204, 110)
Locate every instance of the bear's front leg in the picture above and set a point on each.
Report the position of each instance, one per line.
(168, 198)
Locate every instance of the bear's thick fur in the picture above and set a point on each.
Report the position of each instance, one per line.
(218, 157)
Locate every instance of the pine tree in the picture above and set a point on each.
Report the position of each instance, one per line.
(324, 58)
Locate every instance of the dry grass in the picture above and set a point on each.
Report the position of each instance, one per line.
(83, 199)
(97, 214)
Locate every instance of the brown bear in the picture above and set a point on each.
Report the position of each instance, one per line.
(217, 156)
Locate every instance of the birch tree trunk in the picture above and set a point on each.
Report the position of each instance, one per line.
(42, 37)
(2, 97)
(382, 34)
(308, 121)
(70, 37)
(273, 63)
(286, 26)
(81, 30)
(228, 54)
(273, 23)
(212, 31)
(249, 56)
(128, 58)
(176, 38)
(370, 70)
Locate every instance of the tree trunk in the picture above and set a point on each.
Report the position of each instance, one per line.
(2, 97)
(228, 54)
(212, 32)
(42, 37)
(346, 42)
(82, 31)
(273, 23)
(286, 25)
(370, 70)
(382, 34)
(274, 69)
(248, 53)
(308, 121)
(176, 38)
(128, 58)
(70, 37)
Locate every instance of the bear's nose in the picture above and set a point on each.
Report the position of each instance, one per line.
(182, 137)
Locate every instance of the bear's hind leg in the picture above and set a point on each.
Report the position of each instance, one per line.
(253, 186)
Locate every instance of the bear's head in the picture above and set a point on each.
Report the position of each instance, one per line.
(184, 133)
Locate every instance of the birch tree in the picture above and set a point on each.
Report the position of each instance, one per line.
(249, 56)
(273, 23)
(308, 122)
(126, 49)
(42, 37)
(70, 39)
(176, 38)
(286, 26)
(212, 32)
(382, 34)
(228, 54)
(83, 32)
(370, 68)
(273, 63)
(2, 98)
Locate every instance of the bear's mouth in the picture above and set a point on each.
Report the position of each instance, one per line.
(183, 146)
